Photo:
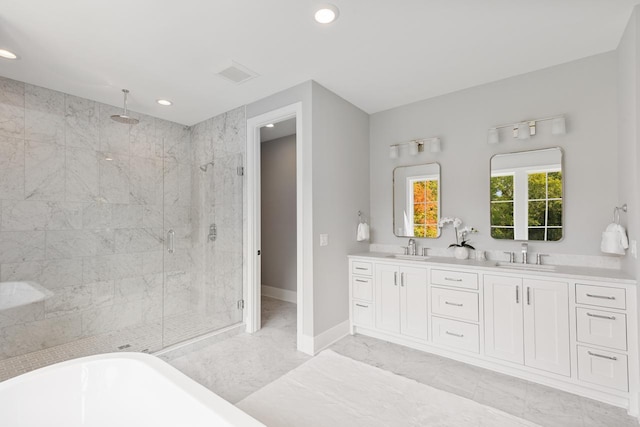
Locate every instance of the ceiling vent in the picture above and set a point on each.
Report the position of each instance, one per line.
(236, 73)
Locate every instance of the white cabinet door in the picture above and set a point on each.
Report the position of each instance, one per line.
(546, 326)
(387, 297)
(413, 308)
(504, 326)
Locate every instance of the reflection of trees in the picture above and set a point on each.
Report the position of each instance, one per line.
(425, 208)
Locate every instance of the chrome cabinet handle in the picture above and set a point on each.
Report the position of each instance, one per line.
(599, 316)
(454, 334)
(171, 237)
(362, 281)
(452, 280)
(363, 306)
(402, 279)
(600, 296)
(361, 268)
(602, 356)
(517, 295)
(453, 303)
(528, 295)
(395, 278)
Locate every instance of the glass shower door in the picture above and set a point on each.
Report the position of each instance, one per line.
(203, 194)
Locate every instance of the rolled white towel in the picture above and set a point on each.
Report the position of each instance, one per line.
(363, 232)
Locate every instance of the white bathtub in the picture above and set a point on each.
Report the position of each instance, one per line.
(117, 389)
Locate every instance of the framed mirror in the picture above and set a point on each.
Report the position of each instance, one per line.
(527, 195)
(416, 201)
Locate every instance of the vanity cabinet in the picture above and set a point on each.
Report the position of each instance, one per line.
(401, 293)
(527, 322)
(569, 329)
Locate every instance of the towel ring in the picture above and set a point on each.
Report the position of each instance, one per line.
(361, 219)
(616, 212)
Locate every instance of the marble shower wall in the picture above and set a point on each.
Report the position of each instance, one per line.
(219, 195)
(81, 212)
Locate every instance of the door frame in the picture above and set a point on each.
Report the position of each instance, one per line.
(253, 265)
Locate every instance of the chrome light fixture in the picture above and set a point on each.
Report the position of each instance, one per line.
(415, 146)
(526, 129)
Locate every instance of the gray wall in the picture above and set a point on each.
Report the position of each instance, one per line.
(584, 90)
(278, 193)
(340, 190)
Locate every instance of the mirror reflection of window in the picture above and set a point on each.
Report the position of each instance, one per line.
(416, 200)
(422, 207)
(526, 195)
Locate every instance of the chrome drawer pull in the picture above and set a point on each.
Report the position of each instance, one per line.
(600, 296)
(602, 356)
(361, 268)
(452, 280)
(455, 335)
(601, 317)
(363, 306)
(453, 303)
(362, 281)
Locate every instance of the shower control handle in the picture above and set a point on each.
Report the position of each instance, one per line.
(171, 238)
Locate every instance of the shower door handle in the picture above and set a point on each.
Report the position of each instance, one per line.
(171, 238)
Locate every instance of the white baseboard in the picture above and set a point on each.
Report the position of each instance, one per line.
(328, 337)
(281, 294)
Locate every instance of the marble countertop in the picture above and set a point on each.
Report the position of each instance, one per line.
(571, 272)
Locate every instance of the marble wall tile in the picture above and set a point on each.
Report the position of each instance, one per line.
(81, 123)
(127, 216)
(37, 215)
(44, 172)
(44, 115)
(138, 240)
(32, 336)
(97, 215)
(30, 270)
(111, 267)
(11, 108)
(175, 141)
(146, 181)
(11, 168)
(152, 262)
(111, 318)
(153, 216)
(72, 299)
(142, 137)
(114, 179)
(78, 243)
(61, 273)
(177, 183)
(21, 246)
(82, 175)
(114, 136)
(22, 314)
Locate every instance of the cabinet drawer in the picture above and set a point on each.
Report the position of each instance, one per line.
(603, 368)
(458, 304)
(363, 313)
(601, 296)
(602, 328)
(456, 334)
(361, 267)
(362, 288)
(457, 279)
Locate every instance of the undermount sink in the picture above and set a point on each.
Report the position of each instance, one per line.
(531, 267)
(409, 257)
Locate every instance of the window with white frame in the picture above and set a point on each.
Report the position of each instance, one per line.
(422, 210)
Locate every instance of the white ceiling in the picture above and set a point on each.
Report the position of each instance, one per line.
(378, 55)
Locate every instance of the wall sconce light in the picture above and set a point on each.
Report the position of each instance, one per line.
(393, 152)
(416, 146)
(526, 129)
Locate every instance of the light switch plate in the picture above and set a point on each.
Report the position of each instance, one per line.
(634, 248)
(324, 240)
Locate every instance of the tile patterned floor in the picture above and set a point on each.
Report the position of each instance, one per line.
(244, 363)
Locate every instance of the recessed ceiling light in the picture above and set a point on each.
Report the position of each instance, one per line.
(326, 13)
(270, 125)
(164, 102)
(7, 54)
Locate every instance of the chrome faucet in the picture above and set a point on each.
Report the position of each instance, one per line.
(525, 248)
(412, 246)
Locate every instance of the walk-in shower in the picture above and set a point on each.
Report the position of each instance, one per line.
(83, 242)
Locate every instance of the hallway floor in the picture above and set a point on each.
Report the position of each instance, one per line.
(240, 365)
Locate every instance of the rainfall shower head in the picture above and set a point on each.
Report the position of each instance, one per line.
(205, 167)
(125, 117)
